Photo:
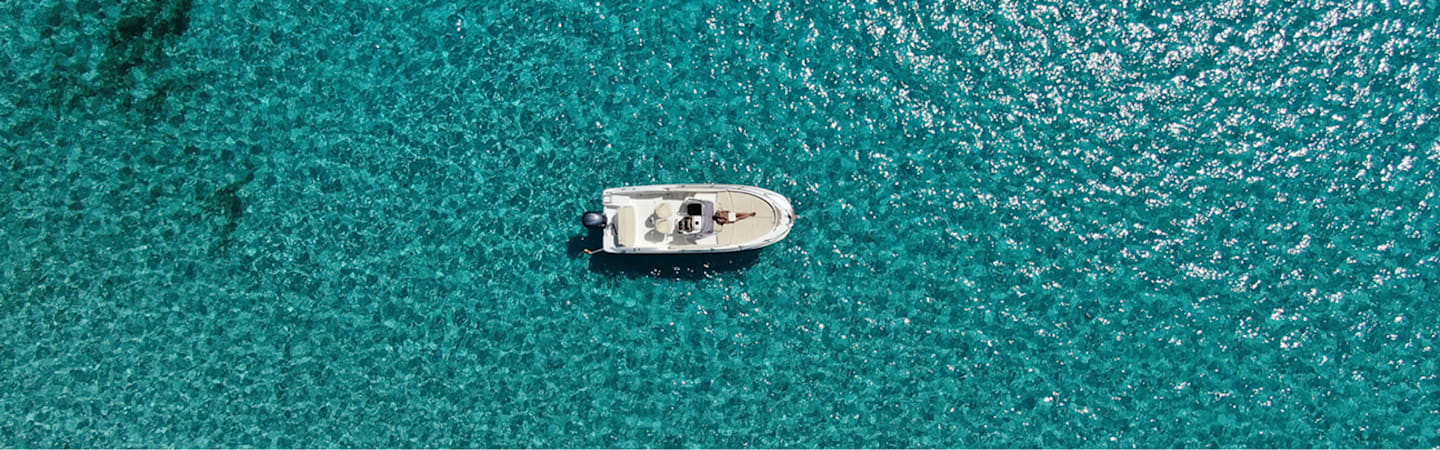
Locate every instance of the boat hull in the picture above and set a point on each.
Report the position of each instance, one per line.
(637, 216)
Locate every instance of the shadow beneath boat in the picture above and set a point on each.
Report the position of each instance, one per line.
(675, 267)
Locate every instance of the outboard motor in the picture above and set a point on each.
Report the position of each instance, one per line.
(593, 220)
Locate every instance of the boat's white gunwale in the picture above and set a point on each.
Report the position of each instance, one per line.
(785, 216)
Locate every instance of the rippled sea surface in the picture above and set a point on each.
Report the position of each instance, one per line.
(1035, 223)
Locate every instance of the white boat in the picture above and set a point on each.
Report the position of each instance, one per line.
(691, 218)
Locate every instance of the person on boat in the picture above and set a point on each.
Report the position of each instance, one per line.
(726, 217)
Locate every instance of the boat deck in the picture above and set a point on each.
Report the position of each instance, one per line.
(637, 226)
(744, 230)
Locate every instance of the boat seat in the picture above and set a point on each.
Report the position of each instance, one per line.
(661, 219)
(625, 226)
(664, 225)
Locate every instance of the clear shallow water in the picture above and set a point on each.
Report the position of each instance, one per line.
(1024, 224)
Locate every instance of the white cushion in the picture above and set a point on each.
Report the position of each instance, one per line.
(625, 227)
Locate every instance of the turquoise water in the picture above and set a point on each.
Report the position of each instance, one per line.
(1053, 224)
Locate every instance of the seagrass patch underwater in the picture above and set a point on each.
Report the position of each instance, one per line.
(1023, 224)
